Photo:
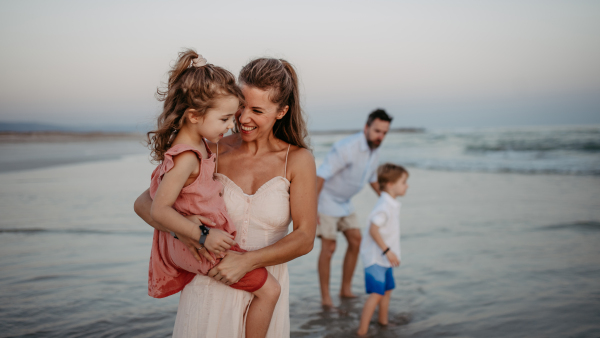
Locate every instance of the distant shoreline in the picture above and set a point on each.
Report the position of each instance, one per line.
(352, 131)
(64, 136)
(73, 136)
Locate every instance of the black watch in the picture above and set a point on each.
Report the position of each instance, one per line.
(205, 230)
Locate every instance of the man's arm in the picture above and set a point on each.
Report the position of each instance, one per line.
(375, 187)
(320, 181)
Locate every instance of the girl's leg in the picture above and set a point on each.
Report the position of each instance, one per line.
(262, 307)
(384, 306)
(367, 313)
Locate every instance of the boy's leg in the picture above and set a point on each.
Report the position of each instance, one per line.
(384, 306)
(375, 285)
(367, 313)
(261, 309)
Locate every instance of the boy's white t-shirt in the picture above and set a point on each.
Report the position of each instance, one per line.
(386, 215)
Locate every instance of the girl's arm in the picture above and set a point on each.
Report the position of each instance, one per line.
(161, 215)
(142, 207)
(303, 204)
(169, 188)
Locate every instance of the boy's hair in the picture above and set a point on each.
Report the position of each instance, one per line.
(189, 87)
(389, 173)
(378, 114)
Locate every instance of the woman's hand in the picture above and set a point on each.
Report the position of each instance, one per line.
(192, 244)
(218, 241)
(231, 268)
(195, 248)
(198, 219)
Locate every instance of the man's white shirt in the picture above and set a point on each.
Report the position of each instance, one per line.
(349, 165)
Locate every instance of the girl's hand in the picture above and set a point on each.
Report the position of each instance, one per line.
(192, 244)
(231, 268)
(195, 248)
(218, 241)
(392, 258)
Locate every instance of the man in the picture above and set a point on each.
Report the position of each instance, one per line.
(351, 163)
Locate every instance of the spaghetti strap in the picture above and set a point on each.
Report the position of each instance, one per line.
(217, 159)
(286, 157)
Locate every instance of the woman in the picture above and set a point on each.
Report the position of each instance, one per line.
(268, 174)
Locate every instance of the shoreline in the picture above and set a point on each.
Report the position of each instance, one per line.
(60, 136)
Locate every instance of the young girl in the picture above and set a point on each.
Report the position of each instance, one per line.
(199, 103)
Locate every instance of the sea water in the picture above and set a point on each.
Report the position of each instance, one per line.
(500, 238)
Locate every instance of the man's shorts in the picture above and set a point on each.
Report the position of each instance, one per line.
(379, 279)
(330, 225)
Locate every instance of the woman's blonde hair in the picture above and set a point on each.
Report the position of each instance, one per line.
(189, 87)
(279, 77)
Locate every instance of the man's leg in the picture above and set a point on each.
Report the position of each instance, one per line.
(354, 237)
(327, 250)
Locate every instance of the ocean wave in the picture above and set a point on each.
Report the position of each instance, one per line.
(534, 150)
(71, 231)
(508, 168)
(536, 145)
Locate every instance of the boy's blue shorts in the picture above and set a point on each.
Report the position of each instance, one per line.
(379, 279)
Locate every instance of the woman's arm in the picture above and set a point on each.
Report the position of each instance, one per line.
(149, 210)
(142, 207)
(303, 204)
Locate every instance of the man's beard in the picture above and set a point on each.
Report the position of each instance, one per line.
(373, 145)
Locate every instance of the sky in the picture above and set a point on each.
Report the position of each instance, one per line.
(431, 64)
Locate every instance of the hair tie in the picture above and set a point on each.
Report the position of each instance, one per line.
(198, 62)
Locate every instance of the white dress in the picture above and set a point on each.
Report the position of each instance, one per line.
(208, 308)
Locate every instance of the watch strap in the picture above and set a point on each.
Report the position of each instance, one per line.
(204, 230)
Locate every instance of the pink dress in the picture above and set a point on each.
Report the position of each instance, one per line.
(208, 308)
(172, 266)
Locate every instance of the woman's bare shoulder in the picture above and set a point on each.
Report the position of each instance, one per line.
(301, 159)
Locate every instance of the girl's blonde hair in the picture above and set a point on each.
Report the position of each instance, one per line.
(280, 78)
(189, 87)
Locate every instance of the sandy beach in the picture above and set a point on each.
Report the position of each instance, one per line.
(484, 254)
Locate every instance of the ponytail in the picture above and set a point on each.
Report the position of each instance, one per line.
(191, 85)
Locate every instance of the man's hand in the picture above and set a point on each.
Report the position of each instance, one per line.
(392, 258)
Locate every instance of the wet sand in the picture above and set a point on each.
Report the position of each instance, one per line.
(484, 255)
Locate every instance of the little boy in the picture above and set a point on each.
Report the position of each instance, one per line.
(380, 246)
